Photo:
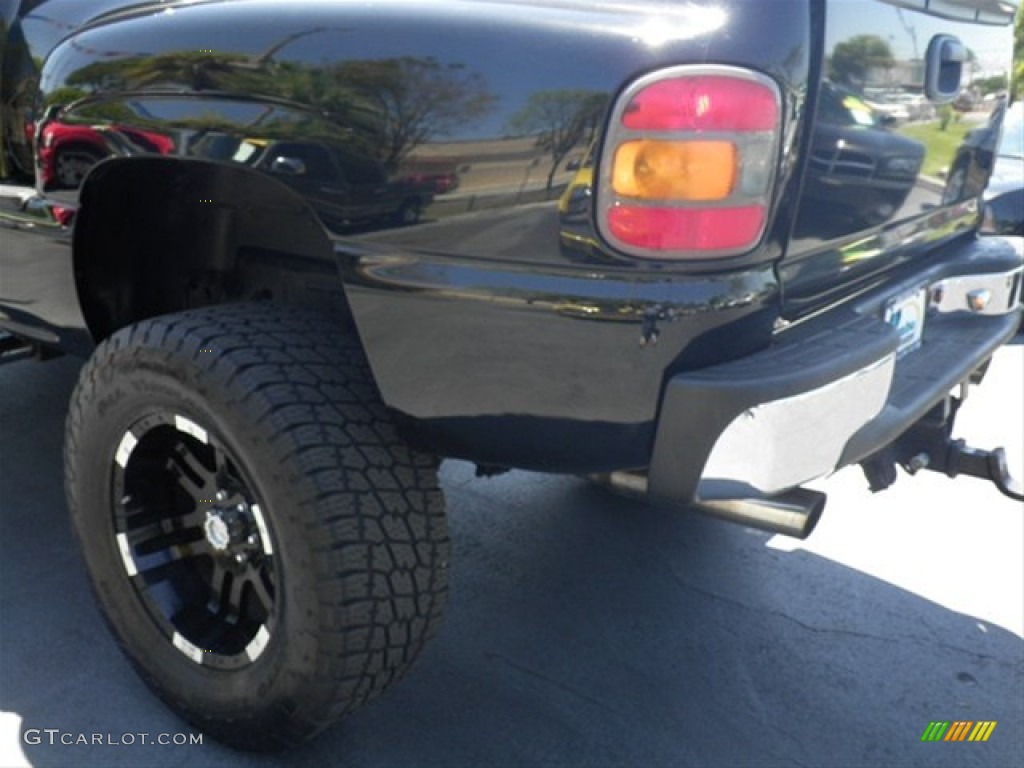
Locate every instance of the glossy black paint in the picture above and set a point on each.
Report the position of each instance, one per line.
(476, 313)
(1004, 212)
(496, 305)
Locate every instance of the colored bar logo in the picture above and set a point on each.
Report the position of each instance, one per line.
(958, 730)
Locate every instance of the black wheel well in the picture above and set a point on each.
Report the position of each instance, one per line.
(156, 235)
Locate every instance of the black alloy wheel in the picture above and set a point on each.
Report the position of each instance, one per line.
(194, 541)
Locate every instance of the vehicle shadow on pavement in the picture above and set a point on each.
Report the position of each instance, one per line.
(583, 629)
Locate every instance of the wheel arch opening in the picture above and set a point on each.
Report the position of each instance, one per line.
(156, 235)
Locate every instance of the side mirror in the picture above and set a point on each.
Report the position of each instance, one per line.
(288, 166)
(944, 65)
(886, 121)
(573, 165)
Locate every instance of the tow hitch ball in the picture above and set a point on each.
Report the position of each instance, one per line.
(929, 445)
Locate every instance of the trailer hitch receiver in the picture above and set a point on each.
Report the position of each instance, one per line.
(988, 465)
(929, 445)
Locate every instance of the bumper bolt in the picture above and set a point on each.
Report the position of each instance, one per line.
(917, 463)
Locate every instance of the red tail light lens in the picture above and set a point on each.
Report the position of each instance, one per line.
(688, 163)
(687, 229)
(703, 103)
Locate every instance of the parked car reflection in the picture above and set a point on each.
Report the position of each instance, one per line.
(860, 173)
(439, 182)
(345, 188)
(346, 137)
(335, 169)
(971, 166)
(67, 152)
(576, 234)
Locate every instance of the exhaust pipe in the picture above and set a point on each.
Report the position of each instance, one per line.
(792, 513)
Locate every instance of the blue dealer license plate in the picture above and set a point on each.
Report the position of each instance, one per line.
(906, 315)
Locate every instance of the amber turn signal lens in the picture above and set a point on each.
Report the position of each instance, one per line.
(675, 170)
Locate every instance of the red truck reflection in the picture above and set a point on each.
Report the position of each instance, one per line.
(68, 152)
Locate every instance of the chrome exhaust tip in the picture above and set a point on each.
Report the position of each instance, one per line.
(792, 513)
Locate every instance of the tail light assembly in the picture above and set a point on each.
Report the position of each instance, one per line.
(688, 163)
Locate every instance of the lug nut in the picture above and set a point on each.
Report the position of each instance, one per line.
(222, 495)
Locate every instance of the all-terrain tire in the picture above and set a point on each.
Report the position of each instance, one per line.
(266, 549)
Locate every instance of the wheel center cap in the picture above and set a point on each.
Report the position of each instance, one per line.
(217, 531)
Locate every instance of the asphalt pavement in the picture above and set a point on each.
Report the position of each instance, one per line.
(588, 630)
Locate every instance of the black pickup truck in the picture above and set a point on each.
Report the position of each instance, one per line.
(752, 281)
